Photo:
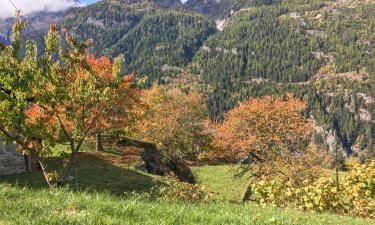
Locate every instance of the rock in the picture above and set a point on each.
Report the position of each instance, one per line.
(220, 24)
(11, 161)
(156, 163)
(181, 170)
(70, 179)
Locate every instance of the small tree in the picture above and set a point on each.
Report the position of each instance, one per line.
(173, 120)
(262, 129)
(338, 160)
(17, 75)
(124, 101)
(64, 96)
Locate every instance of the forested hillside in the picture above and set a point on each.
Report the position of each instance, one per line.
(254, 47)
(212, 8)
(322, 51)
(155, 41)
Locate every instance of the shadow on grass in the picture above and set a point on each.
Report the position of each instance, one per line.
(92, 172)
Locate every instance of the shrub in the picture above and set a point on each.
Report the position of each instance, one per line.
(53, 177)
(173, 189)
(272, 192)
(359, 185)
(354, 195)
(321, 196)
(287, 171)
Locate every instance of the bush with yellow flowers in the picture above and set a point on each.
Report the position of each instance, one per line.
(359, 186)
(353, 195)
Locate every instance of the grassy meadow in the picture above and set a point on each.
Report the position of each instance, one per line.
(63, 206)
(98, 197)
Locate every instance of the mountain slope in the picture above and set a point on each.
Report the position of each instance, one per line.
(211, 8)
(222, 9)
(40, 21)
(155, 41)
(39, 16)
(254, 46)
(324, 53)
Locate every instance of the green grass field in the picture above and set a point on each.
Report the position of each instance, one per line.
(94, 172)
(97, 197)
(62, 206)
(221, 181)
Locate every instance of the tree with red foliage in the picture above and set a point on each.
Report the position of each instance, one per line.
(64, 96)
(262, 129)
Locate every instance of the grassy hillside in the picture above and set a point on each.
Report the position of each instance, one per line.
(93, 172)
(97, 197)
(219, 180)
(61, 206)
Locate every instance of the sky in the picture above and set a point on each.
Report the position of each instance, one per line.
(29, 6)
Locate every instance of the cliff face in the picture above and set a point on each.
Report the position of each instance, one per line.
(11, 162)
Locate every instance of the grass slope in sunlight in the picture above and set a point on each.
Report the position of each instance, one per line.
(97, 197)
(94, 172)
(62, 206)
(219, 180)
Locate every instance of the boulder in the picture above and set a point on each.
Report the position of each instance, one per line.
(11, 161)
(156, 163)
(181, 169)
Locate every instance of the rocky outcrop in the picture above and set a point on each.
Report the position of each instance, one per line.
(156, 163)
(11, 161)
(181, 170)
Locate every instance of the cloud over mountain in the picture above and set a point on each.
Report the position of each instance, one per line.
(30, 6)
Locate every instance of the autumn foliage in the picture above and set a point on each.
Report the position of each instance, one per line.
(173, 120)
(91, 98)
(353, 195)
(262, 127)
(63, 96)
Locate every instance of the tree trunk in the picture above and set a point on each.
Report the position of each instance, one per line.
(99, 142)
(246, 194)
(28, 159)
(69, 166)
(45, 174)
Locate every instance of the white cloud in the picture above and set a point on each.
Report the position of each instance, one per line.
(30, 6)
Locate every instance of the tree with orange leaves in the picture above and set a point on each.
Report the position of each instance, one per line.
(81, 95)
(64, 96)
(124, 102)
(262, 129)
(174, 121)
